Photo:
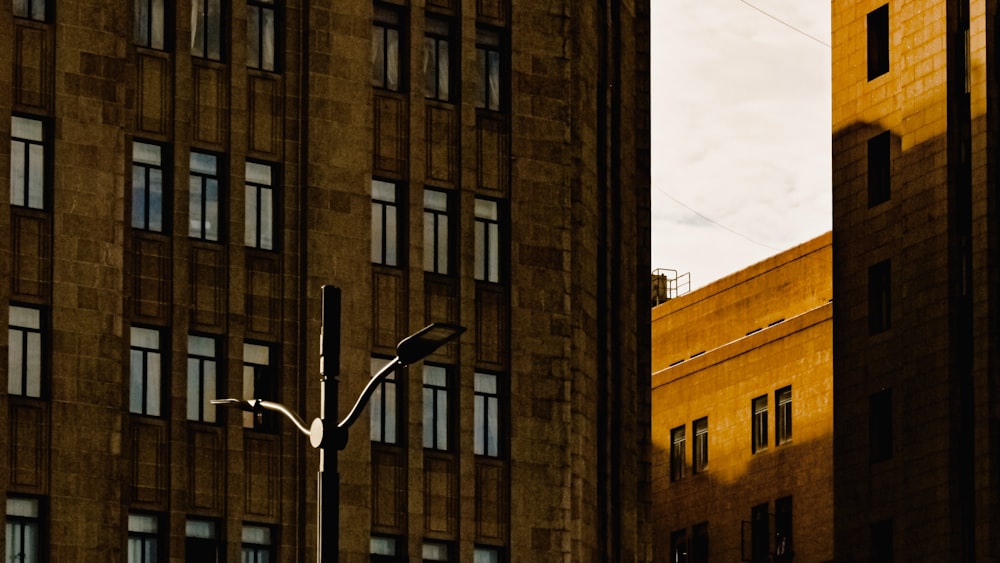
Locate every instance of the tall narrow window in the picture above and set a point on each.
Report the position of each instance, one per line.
(259, 216)
(759, 424)
(385, 228)
(384, 407)
(24, 352)
(879, 297)
(678, 546)
(878, 42)
(437, 234)
(882, 541)
(700, 447)
(699, 543)
(486, 555)
(760, 534)
(206, 29)
(201, 542)
(879, 168)
(783, 529)
(486, 439)
(31, 9)
(145, 372)
(384, 549)
(143, 539)
(27, 162)
(385, 49)
(435, 399)
(257, 546)
(147, 187)
(435, 551)
(487, 233)
(204, 196)
(437, 63)
(880, 426)
(149, 24)
(489, 64)
(201, 378)
(783, 415)
(677, 453)
(23, 531)
(259, 382)
(260, 34)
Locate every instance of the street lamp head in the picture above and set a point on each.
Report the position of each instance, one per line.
(242, 405)
(425, 341)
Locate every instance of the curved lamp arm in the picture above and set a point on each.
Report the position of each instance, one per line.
(254, 405)
(366, 394)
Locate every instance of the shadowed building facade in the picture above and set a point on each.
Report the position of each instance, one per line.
(179, 180)
(742, 415)
(915, 281)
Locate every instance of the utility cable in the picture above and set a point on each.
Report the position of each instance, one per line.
(786, 24)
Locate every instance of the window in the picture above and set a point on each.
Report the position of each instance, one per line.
(678, 546)
(33, 9)
(23, 531)
(147, 187)
(879, 297)
(699, 463)
(24, 352)
(878, 42)
(435, 407)
(259, 382)
(150, 24)
(783, 415)
(145, 372)
(759, 424)
(485, 555)
(260, 34)
(201, 378)
(27, 162)
(699, 543)
(434, 551)
(206, 29)
(142, 539)
(677, 454)
(385, 49)
(437, 234)
(385, 219)
(760, 534)
(257, 546)
(487, 233)
(260, 212)
(384, 550)
(437, 55)
(783, 529)
(486, 440)
(882, 542)
(880, 426)
(203, 198)
(488, 62)
(201, 542)
(384, 407)
(879, 169)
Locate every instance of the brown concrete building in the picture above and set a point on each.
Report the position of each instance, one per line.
(180, 180)
(915, 225)
(743, 415)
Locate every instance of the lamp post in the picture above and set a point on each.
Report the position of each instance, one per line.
(330, 436)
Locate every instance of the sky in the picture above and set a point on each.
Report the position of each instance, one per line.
(740, 132)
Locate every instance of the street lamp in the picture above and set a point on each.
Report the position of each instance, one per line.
(325, 433)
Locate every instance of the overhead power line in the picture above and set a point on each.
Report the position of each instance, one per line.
(786, 24)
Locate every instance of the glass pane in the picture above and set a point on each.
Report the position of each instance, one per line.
(442, 244)
(486, 556)
(135, 381)
(479, 425)
(486, 383)
(392, 59)
(267, 47)
(391, 258)
(24, 128)
(33, 379)
(195, 210)
(208, 392)
(480, 244)
(250, 216)
(435, 552)
(267, 219)
(378, 57)
(435, 375)
(157, 25)
(214, 29)
(141, 23)
(139, 197)
(430, 67)
(147, 153)
(442, 419)
(38, 10)
(390, 412)
(383, 546)
(155, 200)
(486, 209)
(257, 535)
(203, 163)
(199, 529)
(17, 172)
(493, 236)
(15, 361)
(256, 354)
(201, 346)
(492, 426)
(141, 523)
(23, 507)
(429, 242)
(443, 73)
(197, 28)
(36, 176)
(145, 338)
(436, 200)
(212, 209)
(383, 191)
(153, 384)
(25, 317)
(253, 36)
(375, 414)
(428, 419)
(377, 234)
(193, 388)
(481, 67)
(258, 173)
(493, 63)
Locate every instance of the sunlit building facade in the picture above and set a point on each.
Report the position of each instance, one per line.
(915, 224)
(742, 415)
(180, 178)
